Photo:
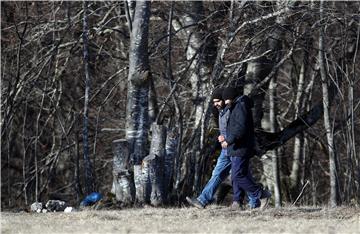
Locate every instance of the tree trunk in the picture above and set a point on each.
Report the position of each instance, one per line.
(327, 121)
(178, 161)
(78, 188)
(89, 180)
(353, 159)
(299, 139)
(153, 169)
(171, 147)
(123, 186)
(156, 163)
(273, 128)
(199, 75)
(138, 91)
(151, 178)
(158, 140)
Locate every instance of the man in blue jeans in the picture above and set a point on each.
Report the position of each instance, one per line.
(239, 142)
(223, 164)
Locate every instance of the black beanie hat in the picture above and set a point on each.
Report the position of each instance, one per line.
(217, 93)
(229, 93)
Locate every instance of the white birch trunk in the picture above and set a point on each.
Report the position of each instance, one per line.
(273, 128)
(327, 121)
(199, 76)
(299, 139)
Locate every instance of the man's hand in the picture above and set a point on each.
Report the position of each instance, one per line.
(224, 144)
(221, 138)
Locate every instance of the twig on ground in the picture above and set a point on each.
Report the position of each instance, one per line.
(302, 191)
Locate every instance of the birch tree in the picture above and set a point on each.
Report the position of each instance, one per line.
(326, 109)
(137, 125)
(43, 95)
(193, 37)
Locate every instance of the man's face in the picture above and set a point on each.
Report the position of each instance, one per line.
(228, 102)
(218, 103)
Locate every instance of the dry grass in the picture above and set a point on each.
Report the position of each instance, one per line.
(215, 219)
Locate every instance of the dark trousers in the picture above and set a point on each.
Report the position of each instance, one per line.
(242, 179)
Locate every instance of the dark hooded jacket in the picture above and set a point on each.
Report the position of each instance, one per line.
(240, 128)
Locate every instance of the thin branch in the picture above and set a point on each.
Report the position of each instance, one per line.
(248, 59)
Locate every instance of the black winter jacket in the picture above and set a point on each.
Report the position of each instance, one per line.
(240, 128)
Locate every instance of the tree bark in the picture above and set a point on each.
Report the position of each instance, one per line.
(299, 139)
(154, 190)
(137, 125)
(151, 179)
(326, 110)
(156, 162)
(123, 185)
(172, 141)
(89, 180)
(153, 104)
(158, 140)
(274, 154)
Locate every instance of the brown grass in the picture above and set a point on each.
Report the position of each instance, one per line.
(214, 219)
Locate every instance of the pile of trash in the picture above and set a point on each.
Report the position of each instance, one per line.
(61, 206)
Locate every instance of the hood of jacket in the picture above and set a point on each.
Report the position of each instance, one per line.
(246, 100)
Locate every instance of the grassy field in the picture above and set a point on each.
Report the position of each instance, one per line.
(214, 219)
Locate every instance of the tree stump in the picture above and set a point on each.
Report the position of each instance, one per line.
(149, 175)
(155, 188)
(123, 184)
(142, 183)
(151, 178)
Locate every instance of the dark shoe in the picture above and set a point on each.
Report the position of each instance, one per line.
(195, 202)
(236, 206)
(265, 198)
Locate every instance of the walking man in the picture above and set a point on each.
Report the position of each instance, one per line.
(223, 164)
(239, 142)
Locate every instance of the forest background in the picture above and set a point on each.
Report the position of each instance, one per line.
(78, 76)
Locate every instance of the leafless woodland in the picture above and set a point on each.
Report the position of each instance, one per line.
(77, 77)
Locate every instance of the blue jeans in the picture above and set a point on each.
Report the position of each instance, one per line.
(242, 180)
(219, 174)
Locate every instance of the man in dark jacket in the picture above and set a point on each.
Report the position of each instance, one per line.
(240, 142)
(223, 164)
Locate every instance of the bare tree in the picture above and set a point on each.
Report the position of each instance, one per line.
(326, 109)
(89, 180)
(137, 125)
(274, 153)
(191, 48)
(194, 41)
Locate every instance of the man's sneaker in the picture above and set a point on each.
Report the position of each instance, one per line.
(195, 202)
(236, 206)
(265, 198)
